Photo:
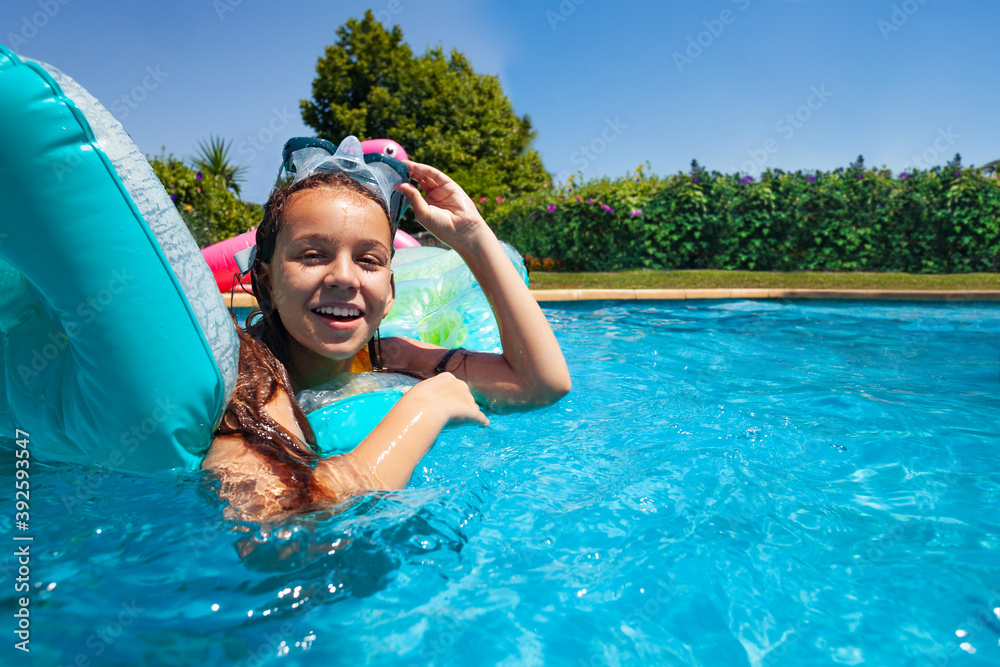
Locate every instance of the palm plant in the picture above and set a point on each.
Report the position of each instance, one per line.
(992, 167)
(213, 159)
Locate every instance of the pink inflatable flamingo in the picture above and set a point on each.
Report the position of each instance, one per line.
(387, 146)
(219, 256)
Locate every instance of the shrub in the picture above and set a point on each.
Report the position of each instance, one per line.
(210, 210)
(944, 220)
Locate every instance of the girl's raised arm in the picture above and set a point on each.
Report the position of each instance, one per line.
(531, 371)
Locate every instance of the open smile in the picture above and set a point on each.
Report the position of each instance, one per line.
(338, 313)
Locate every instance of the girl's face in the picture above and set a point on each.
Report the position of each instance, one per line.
(330, 278)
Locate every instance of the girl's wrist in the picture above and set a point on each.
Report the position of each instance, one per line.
(474, 237)
(425, 406)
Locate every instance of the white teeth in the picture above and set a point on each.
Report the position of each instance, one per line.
(337, 311)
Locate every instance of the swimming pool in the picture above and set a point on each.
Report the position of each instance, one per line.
(729, 483)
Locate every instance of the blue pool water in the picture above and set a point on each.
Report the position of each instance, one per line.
(729, 483)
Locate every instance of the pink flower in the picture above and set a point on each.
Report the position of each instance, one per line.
(590, 201)
(607, 208)
(578, 199)
(499, 200)
(636, 213)
(483, 200)
(551, 208)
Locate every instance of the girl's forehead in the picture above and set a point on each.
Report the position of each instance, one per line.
(333, 211)
(325, 195)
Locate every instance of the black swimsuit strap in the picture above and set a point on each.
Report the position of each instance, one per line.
(374, 343)
(444, 360)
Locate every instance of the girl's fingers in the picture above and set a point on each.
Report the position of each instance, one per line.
(417, 202)
(425, 172)
(407, 191)
(428, 184)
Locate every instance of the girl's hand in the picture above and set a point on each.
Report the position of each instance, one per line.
(446, 211)
(450, 395)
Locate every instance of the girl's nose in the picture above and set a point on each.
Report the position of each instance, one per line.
(341, 273)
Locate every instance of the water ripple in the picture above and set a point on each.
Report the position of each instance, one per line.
(738, 483)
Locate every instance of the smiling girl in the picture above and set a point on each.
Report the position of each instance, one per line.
(323, 280)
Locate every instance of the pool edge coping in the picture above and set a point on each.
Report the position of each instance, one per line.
(761, 293)
(242, 300)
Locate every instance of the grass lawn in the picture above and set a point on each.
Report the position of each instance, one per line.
(762, 279)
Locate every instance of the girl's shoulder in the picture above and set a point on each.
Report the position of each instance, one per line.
(250, 482)
(424, 358)
(399, 352)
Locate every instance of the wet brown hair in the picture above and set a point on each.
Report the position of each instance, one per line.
(260, 378)
(264, 322)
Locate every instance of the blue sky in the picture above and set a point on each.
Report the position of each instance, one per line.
(738, 84)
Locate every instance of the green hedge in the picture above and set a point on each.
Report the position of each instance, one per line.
(211, 211)
(944, 220)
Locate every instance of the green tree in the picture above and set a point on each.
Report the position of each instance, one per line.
(437, 107)
(213, 159)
